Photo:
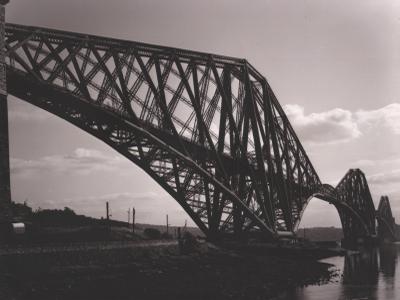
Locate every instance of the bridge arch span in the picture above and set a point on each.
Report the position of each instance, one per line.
(207, 128)
(355, 206)
(328, 194)
(386, 221)
(119, 133)
(354, 191)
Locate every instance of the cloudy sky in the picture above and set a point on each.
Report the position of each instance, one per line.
(334, 66)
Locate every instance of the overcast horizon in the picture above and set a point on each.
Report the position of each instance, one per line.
(334, 67)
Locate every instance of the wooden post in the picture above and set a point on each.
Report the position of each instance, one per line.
(107, 212)
(180, 241)
(167, 225)
(133, 219)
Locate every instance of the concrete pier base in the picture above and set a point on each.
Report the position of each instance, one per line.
(359, 241)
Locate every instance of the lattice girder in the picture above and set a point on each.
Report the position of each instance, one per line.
(386, 221)
(354, 191)
(208, 128)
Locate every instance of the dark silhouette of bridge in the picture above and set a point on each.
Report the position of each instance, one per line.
(207, 128)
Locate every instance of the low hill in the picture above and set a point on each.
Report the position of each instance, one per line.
(67, 218)
(319, 234)
(65, 225)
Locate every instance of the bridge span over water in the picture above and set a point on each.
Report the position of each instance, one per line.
(207, 128)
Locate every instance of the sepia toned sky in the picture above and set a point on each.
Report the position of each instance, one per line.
(334, 66)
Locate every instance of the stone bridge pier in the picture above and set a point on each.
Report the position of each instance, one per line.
(5, 190)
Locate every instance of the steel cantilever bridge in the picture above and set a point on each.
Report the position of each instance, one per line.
(207, 128)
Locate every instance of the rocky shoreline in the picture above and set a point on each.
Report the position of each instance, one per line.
(155, 273)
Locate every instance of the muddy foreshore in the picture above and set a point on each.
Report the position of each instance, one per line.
(155, 273)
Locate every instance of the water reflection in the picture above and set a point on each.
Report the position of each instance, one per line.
(388, 260)
(368, 274)
(361, 268)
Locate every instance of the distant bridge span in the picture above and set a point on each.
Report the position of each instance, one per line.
(207, 128)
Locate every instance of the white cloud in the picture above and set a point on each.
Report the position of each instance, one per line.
(385, 178)
(388, 117)
(385, 183)
(339, 125)
(382, 163)
(81, 161)
(333, 126)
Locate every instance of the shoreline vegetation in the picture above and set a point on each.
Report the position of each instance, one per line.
(67, 256)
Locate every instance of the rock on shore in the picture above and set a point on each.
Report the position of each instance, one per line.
(154, 273)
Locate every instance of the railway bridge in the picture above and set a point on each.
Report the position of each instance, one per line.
(207, 128)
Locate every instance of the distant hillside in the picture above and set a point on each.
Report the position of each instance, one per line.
(67, 218)
(321, 233)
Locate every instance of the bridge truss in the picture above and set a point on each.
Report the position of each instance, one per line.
(386, 222)
(208, 128)
(354, 191)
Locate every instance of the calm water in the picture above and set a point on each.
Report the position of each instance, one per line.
(372, 274)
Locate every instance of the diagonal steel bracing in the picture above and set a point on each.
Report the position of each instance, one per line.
(386, 222)
(354, 191)
(207, 128)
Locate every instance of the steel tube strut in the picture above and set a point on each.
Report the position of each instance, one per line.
(207, 128)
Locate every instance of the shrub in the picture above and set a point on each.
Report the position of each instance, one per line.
(152, 233)
(166, 236)
(189, 243)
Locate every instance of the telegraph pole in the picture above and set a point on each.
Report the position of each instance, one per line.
(107, 212)
(129, 216)
(5, 190)
(167, 225)
(133, 219)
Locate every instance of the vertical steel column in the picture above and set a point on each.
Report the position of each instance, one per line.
(5, 190)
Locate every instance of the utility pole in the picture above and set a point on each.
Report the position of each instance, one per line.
(107, 212)
(167, 225)
(133, 219)
(129, 216)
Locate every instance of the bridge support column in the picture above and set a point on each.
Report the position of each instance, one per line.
(354, 242)
(5, 190)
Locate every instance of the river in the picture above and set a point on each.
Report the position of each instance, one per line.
(369, 274)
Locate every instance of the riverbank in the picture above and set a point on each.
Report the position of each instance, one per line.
(154, 272)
